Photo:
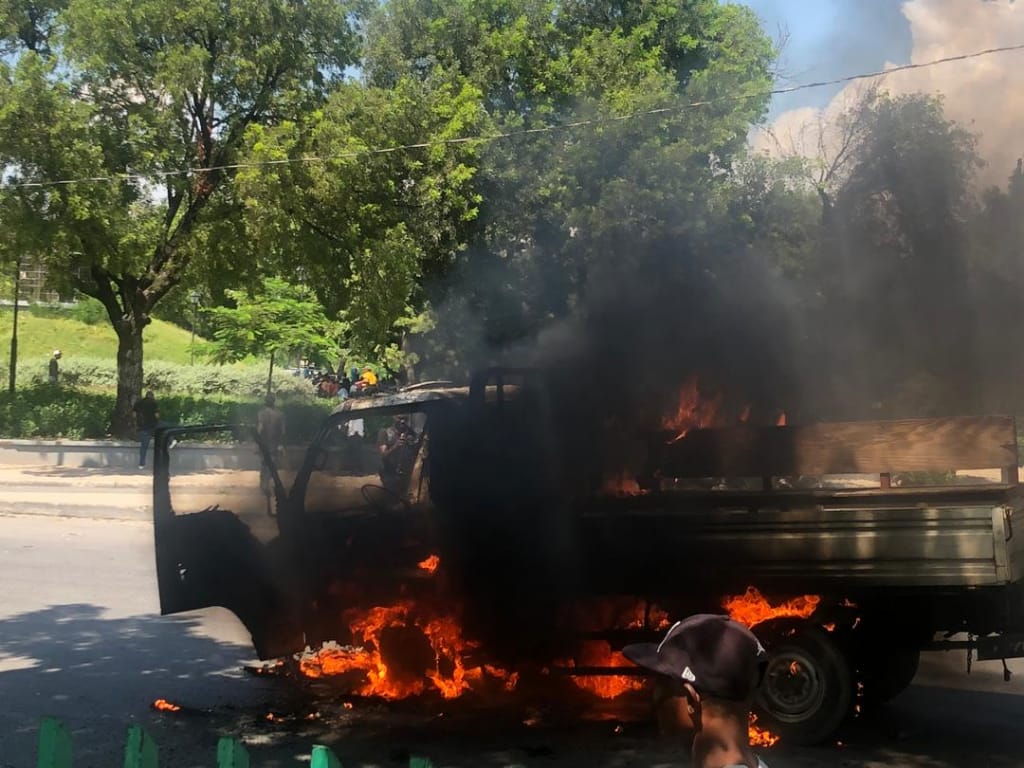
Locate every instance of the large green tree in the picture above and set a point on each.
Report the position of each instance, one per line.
(559, 200)
(895, 322)
(147, 103)
(368, 226)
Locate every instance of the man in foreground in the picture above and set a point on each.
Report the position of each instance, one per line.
(708, 669)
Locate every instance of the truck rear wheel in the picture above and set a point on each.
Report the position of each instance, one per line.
(807, 689)
(887, 674)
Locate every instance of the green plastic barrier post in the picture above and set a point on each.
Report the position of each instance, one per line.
(323, 758)
(140, 751)
(54, 744)
(231, 754)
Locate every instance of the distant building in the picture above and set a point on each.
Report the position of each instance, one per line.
(34, 287)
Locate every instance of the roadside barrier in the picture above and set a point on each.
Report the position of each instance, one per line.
(140, 751)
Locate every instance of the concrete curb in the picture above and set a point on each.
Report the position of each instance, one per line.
(105, 512)
(107, 454)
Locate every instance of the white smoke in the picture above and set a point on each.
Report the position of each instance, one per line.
(984, 94)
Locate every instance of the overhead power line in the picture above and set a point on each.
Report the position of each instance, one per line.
(487, 138)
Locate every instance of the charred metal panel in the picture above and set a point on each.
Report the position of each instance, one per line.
(210, 557)
(922, 546)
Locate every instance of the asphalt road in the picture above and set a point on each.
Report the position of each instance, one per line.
(80, 639)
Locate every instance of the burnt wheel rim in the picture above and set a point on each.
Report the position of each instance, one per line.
(793, 688)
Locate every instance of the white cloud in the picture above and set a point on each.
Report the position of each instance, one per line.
(985, 94)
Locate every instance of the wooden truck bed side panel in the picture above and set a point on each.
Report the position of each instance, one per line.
(908, 445)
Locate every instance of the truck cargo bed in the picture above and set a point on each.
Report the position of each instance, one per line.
(941, 537)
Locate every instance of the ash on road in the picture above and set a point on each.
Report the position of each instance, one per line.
(80, 639)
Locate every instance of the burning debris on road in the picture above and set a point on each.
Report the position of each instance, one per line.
(429, 653)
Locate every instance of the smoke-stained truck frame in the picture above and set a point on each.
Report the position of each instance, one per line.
(522, 530)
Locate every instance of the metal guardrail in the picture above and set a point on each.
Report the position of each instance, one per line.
(140, 751)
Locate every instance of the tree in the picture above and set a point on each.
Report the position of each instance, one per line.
(152, 100)
(278, 320)
(368, 226)
(559, 205)
(898, 315)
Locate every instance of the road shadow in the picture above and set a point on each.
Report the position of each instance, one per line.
(65, 471)
(101, 674)
(132, 472)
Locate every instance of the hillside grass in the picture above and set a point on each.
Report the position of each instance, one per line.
(80, 407)
(42, 330)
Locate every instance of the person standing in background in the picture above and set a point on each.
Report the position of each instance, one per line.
(271, 428)
(55, 367)
(147, 416)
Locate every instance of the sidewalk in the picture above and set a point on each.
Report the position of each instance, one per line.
(117, 493)
(46, 489)
(111, 454)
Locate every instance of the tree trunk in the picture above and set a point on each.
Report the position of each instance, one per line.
(270, 375)
(129, 379)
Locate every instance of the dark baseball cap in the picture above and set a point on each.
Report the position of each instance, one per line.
(719, 657)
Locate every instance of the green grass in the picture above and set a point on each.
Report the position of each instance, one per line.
(42, 331)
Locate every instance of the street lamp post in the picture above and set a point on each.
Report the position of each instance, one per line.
(13, 374)
(193, 297)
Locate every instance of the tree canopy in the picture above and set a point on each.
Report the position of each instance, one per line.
(462, 181)
(149, 102)
(277, 320)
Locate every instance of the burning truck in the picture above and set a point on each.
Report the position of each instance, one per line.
(505, 538)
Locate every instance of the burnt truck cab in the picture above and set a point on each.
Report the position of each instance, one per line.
(340, 522)
(492, 484)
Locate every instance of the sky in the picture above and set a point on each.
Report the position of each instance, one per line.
(825, 39)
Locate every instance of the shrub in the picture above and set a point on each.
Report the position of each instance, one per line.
(237, 381)
(89, 311)
(45, 411)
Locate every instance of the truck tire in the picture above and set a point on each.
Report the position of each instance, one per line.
(887, 675)
(807, 689)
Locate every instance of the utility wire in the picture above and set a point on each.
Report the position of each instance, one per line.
(512, 134)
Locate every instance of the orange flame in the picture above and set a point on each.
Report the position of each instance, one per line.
(622, 485)
(758, 736)
(598, 653)
(607, 613)
(781, 421)
(449, 676)
(745, 416)
(430, 564)
(511, 678)
(751, 608)
(692, 412)
(165, 706)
